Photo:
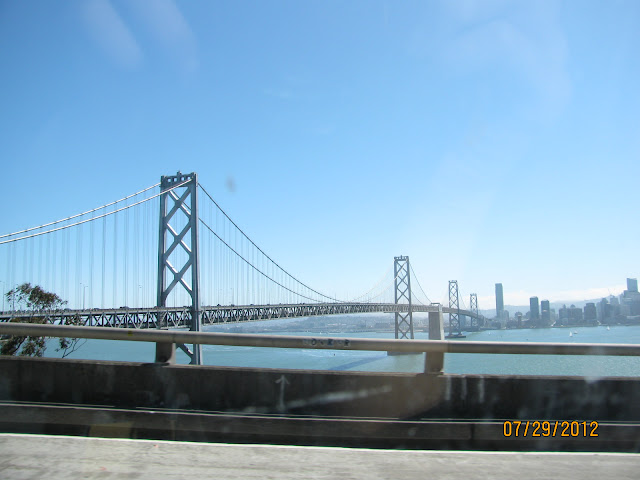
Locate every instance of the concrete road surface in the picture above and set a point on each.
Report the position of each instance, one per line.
(57, 457)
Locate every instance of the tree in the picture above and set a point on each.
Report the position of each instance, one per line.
(35, 300)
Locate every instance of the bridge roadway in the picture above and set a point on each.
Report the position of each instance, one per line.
(175, 317)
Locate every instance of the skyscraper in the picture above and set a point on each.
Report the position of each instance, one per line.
(590, 313)
(630, 299)
(545, 312)
(499, 301)
(534, 309)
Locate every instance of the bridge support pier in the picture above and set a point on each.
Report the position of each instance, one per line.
(434, 362)
(166, 353)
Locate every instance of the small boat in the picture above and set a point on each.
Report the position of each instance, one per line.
(575, 332)
(608, 327)
(571, 334)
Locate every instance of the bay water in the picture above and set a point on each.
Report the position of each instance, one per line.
(587, 366)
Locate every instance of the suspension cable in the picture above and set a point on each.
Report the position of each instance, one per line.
(77, 215)
(261, 251)
(418, 282)
(383, 292)
(375, 286)
(89, 219)
(258, 270)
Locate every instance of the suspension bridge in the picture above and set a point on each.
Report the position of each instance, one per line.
(205, 269)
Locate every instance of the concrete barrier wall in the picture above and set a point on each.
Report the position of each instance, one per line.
(354, 394)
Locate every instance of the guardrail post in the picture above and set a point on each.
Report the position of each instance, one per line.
(166, 353)
(434, 362)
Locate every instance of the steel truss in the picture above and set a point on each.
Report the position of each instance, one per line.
(402, 290)
(473, 306)
(180, 317)
(454, 310)
(181, 201)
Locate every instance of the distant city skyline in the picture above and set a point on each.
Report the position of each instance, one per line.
(558, 299)
(521, 298)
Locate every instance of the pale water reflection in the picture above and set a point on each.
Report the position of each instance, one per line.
(590, 366)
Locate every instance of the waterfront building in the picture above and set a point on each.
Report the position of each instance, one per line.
(499, 301)
(512, 323)
(504, 319)
(630, 299)
(605, 311)
(519, 319)
(575, 315)
(534, 309)
(545, 313)
(563, 315)
(616, 310)
(590, 313)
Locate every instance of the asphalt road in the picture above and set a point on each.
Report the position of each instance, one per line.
(57, 457)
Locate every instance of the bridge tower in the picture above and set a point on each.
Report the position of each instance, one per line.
(402, 282)
(454, 316)
(473, 306)
(179, 230)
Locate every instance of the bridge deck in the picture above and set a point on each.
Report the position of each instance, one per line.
(175, 317)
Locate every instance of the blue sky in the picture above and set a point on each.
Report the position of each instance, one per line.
(490, 141)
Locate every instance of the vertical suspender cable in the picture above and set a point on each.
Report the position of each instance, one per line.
(92, 252)
(125, 255)
(114, 295)
(104, 253)
(135, 255)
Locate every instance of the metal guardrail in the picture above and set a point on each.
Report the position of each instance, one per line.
(288, 341)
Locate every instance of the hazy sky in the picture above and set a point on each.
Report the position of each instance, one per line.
(490, 141)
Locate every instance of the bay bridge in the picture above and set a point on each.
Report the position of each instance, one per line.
(175, 317)
(96, 269)
(205, 268)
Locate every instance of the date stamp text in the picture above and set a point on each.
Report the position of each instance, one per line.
(557, 428)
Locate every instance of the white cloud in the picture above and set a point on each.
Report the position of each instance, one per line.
(169, 27)
(278, 93)
(524, 37)
(110, 32)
